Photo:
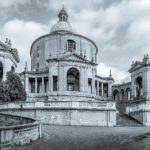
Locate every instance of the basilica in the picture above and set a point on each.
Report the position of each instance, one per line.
(63, 67)
(63, 87)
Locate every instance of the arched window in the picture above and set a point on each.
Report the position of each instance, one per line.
(73, 79)
(1, 71)
(139, 87)
(71, 45)
(116, 95)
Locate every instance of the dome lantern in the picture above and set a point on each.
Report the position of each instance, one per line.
(63, 16)
(62, 25)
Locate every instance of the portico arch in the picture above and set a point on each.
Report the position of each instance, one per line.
(73, 79)
(116, 95)
(1, 71)
(139, 86)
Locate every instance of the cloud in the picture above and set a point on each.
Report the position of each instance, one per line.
(22, 34)
(118, 75)
(8, 3)
(120, 28)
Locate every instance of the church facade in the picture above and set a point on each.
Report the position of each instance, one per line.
(63, 67)
(63, 86)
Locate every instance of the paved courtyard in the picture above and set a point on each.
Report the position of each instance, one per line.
(91, 138)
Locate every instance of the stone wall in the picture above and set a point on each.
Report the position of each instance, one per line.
(66, 113)
(19, 134)
(140, 111)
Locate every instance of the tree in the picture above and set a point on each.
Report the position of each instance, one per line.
(4, 94)
(14, 87)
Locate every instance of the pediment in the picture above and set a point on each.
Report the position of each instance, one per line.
(74, 57)
(3, 46)
(135, 66)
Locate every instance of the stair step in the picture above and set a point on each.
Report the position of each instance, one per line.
(124, 120)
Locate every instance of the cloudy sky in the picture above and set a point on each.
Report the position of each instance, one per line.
(120, 28)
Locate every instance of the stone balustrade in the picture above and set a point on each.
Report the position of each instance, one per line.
(60, 105)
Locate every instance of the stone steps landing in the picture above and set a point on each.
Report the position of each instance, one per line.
(126, 121)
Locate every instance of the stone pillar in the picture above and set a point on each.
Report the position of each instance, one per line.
(81, 79)
(146, 81)
(93, 86)
(26, 84)
(43, 91)
(35, 85)
(61, 78)
(85, 80)
(102, 88)
(93, 82)
(50, 80)
(134, 89)
(109, 89)
(65, 78)
(97, 88)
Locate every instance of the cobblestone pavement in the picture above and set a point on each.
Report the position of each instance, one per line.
(91, 138)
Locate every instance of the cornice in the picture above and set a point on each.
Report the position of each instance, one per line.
(104, 78)
(76, 61)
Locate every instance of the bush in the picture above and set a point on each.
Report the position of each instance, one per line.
(12, 89)
(4, 94)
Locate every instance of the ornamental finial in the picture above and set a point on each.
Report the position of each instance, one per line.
(26, 66)
(110, 75)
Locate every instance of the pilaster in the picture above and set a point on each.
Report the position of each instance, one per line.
(35, 84)
(43, 91)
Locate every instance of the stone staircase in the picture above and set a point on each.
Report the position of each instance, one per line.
(126, 121)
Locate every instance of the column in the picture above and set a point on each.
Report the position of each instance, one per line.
(93, 85)
(134, 89)
(50, 81)
(65, 78)
(93, 82)
(97, 88)
(102, 88)
(26, 84)
(82, 79)
(35, 85)
(85, 80)
(109, 89)
(43, 91)
(60, 78)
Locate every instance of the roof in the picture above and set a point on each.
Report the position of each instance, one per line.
(8, 49)
(62, 25)
(105, 78)
(140, 64)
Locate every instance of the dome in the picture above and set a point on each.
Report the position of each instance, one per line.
(62, 24)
